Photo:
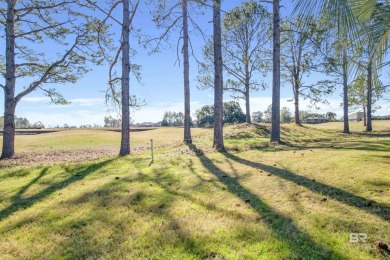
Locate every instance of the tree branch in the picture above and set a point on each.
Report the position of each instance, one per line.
(46, 75)
(107, 13)
(41, 29)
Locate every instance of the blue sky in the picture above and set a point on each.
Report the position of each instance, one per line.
(162, 86)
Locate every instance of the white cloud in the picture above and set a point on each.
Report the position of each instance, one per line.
(72, 118)
(82, 102)
(36, 99)
(88, 102)
(89, 116)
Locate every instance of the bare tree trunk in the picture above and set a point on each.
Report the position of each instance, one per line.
(345, 88)
(187, 109)
(369, 97)
(296, 105)
(125, 140)
(247, 102)
(9, 90)
(9, 128)
(247, 88)
(275, 128)
(364, 116)
(218, 78)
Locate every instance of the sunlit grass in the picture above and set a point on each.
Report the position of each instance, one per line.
(377, 125)
(258, 201)
(81, 139)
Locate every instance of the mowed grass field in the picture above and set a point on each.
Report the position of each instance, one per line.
(98, 138)
(259, 200)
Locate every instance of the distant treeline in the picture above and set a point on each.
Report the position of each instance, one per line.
(205, 116)
(286, 116)
(23, 123)
(174, 119)
(109, 121)
(381, 117)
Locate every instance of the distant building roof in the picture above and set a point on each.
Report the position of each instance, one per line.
(356, 116)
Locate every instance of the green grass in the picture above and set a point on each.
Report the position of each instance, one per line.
(300, 200)
(86, 139)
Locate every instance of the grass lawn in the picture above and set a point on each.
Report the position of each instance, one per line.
(300, 200)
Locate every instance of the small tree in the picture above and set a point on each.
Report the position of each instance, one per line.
(331, 116)
(205, 116)
(257, 116)
(268, 114)
(233, 113)
(38, 125)
(173, 119)
(285, 115)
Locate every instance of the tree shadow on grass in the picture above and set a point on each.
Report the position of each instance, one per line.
(283, 227)
(359, 145)
(170, 233)
(13, 174)
(377, 145)
(383, 211)
(18, 202)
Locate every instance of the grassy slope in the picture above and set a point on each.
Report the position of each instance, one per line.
(258, 201)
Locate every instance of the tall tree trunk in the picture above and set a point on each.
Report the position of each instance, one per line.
(364, 115)
(345, 88)
(9, 128)
(187, 109)
(369, 97)
(296, 105)
(247, 108)
(247, 101)
(275, 128)
(247, 87)
(218, 78)
(125, 140)
(9, 90)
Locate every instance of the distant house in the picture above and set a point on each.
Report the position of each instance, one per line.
(316, 120)
(355, 117)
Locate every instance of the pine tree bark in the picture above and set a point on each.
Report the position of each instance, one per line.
(345, 88)
(125, 138)
(369, 98)
(247, 87)
(364, 116)
(218, 143)
(10, 81)
(297, 118)
(187, 108)
(275, 124)
(247, 102)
